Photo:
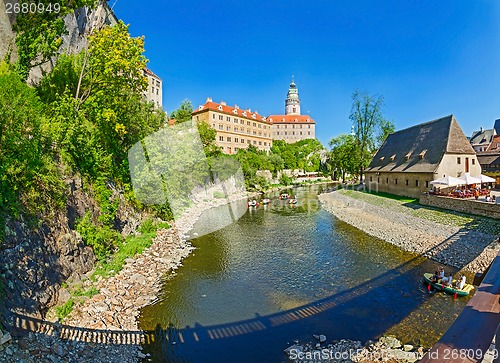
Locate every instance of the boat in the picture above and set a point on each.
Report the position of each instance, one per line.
(265, 201)
(284, 196)
(252, 203)
(448, 289)
(292, 201)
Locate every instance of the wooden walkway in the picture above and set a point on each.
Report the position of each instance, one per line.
(470, 336)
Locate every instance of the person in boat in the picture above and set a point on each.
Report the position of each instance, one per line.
(446, 281)
(461, 283)
(438, 274)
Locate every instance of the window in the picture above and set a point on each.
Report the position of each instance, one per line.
(396, 181)
(301, 132)
(248, 131)
(309, 132)
(293, 126)
(378, 180)
(242, 141)
(221, 138)
(277, 126)
(228, 128)
(235, 120)
(260, 133)
(254, 142)
(285, 133)
(221, 127)
(221, 117)
(248, 123)
(309, 126)
(387, 180)
(235, 139)
(294, 109)
(427, 184)
(416, 183)
(242, 122)
(157, 91)
(260, 142)
(265, 143)
(228, 119)
(300, 126)
(255, 132)
(260, 126)
(407, 182)
(254, 124)
(248, 141)
(213, 126)
(229, 149)
(277, 133)
(458, 160)
(213, 115)
(229, 139)
(285, 126)
(236, 129)
(473, 161)
(293, 133)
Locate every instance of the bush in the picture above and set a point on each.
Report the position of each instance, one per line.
(285, 180)
(102, 239)
(64, 310)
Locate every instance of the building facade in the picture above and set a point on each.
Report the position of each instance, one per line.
(410, 159)
(154, 89)
(236, 128)
(292, 126)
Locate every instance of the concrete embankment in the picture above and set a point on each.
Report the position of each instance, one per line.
(466, 247)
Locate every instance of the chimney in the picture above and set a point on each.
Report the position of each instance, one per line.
(249, 110)
(482, 130)
(237, 107)
(256, 112)
(209, 99)
(222, 103)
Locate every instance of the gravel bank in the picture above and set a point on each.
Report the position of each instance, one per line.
(119, 301)
(462, 247)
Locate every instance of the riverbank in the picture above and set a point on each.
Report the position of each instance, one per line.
(469, 245)
(119, 301)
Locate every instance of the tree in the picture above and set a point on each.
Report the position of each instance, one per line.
(386, 127)
(344, 153)
(183, 113)
(366, 117)
(39, 33)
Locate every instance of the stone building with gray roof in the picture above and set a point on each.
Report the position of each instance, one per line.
(411, 158)
(481, 140)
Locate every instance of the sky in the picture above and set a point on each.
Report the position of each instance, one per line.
(427, 59)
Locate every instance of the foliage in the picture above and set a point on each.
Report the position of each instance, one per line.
(29, 180)
(366, 117)
(87, 293)
(129, 248)
(219, 195)
(39, 33)
(303, 154)
(386, 127)
(285, 180)
(64, 310)
(183, 113)
(102, 239)
(344, 154)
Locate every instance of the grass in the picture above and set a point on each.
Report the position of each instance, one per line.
(411, 207)
(85, 293)
(64, 310)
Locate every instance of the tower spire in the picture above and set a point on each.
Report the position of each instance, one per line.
(292, 103)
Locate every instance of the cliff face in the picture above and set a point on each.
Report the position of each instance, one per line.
(6, 33)
(34, 262)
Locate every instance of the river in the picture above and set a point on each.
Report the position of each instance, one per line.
(282, 273)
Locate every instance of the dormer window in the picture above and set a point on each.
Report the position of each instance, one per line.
(220, 107)
(393, 157)
(422, 154)
(244, 113)
(201, 107)
(235, 111)
(253, 116)
(382, 158)
(407, 156)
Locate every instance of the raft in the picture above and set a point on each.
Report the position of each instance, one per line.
(448, 289)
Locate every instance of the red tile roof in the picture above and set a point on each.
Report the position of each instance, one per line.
(252, 115)
(493, 145)
(299, 119)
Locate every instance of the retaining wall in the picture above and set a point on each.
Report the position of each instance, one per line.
(462, 205)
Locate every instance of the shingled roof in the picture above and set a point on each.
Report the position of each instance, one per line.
(420, 149)
(482, 137)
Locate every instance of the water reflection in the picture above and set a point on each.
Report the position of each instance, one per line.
(286, 272)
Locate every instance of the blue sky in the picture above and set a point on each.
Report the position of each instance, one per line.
(427, 59)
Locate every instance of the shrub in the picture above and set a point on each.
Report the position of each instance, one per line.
(64, 310)
(102, 239)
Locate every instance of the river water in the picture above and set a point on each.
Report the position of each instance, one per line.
(282, 273)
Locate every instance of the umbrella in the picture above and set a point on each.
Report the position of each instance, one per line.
(448, 180)
(486, 179)
(468, 179)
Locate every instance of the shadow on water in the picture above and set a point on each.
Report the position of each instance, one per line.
(361, 312)
(364, 311)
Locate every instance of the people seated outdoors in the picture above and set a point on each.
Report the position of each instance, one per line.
(446, 281)
(488, 198)
(438, 274)
(461, 283)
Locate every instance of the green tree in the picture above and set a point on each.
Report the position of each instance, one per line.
(39, 33)
(366, 117)
(343, 155)
(183, 113)
(386, 127)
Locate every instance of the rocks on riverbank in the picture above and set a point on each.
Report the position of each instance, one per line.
(386, 349)
(465, 249)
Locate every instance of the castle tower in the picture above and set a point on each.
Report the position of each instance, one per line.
(292, 103)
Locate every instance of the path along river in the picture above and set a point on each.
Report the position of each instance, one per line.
(282, 273)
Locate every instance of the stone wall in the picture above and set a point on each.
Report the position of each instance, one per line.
(405, 184)
(462, 205)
